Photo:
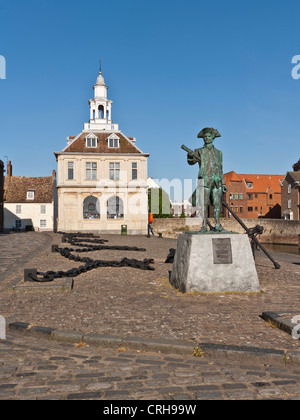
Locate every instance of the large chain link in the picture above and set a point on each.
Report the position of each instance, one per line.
(90, 264)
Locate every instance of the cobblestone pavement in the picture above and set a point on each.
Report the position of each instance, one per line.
(32, 368)
(17, 248)
(132, 303)
(129, 302)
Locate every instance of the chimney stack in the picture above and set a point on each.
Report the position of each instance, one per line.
(9, 169)
(296, 166)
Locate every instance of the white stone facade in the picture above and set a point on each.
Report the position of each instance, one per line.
(22, 216)
(72, 193)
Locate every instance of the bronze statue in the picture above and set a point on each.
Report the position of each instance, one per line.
(210, 162)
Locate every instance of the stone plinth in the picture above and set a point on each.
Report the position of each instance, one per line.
(214, 262)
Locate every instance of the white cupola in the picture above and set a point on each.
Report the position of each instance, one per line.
(100, 88)
(100, 108)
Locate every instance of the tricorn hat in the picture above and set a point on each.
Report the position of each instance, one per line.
(208, 129)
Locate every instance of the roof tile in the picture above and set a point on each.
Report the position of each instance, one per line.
(79, 145)
(16, 187)
(262, 182)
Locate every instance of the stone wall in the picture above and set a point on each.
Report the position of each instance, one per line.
(275, 230)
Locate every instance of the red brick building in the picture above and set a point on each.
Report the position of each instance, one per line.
(254, 195)
(236, 195)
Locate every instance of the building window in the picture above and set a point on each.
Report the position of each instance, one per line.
(115, 208)
(236, 197)
(43, 223)
(18, 209)
(256, 208)
(241, 196)
(91, 141)
(289, 188)
(30, 195)
(114, 171)
(70, 170)
(134, 170)
(18, 224)
(231, 196)
(250, 209)
(271, 196)
(289, 204)
(91, 208)
(43, 209)
(250, 196)
(249, 184)
(113, 141)
(256, 195)
(91, 170)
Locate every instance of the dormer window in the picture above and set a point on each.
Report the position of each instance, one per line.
(249, 184)
(30, 195)
(113, 141)
(91, 140)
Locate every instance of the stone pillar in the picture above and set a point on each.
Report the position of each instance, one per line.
(214, 263)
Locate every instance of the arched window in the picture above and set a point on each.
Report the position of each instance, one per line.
(91, 208)
(100, 111)
(115, 209)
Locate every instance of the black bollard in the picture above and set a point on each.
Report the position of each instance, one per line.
(28, 272)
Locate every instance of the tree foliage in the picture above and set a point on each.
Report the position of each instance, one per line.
(159, 203)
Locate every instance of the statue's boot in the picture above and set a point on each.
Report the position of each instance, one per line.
(219, 227)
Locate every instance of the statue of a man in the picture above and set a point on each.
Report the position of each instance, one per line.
(210, 162)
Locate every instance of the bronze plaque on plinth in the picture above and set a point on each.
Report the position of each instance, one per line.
(222, 250)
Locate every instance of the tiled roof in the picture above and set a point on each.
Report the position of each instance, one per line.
(232, 176)
(16, 187)
(79, 145)
(261, 183)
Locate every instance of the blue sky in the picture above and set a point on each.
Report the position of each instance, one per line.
(172, 68)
